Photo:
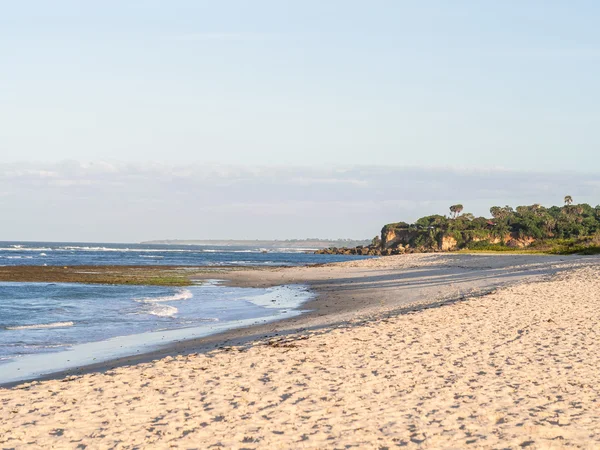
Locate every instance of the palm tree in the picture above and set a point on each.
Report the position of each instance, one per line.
(568, 200)
(456, 210)
(548, 222)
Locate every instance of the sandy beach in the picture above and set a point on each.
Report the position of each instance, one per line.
(420, 351)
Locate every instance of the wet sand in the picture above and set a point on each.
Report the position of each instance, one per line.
(397, 351)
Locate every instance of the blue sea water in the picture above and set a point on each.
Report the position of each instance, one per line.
(71, 254)
(46, 327)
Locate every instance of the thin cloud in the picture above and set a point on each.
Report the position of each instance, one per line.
(141, 201)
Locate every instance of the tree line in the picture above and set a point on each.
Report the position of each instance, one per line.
(534, 222)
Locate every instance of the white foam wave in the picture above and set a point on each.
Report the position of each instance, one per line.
(155, 307)
(42, 325)
(183, 294)
(25, 249)
(162, 310)
(123, 250)
(263, 250)
(293, 249)
(231, 251)
(82, 248)
(94, 249)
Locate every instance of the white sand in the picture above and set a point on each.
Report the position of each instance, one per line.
(516, 368)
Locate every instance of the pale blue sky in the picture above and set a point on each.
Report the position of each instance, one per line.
(137, 119)
(462, 83)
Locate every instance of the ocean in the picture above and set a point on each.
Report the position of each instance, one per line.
(78, 254)
(47, 327)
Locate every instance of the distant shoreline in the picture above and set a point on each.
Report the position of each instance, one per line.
(306, 244)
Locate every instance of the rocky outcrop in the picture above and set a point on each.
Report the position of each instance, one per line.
(492, 239)
(399, 238)
(396, 234)
(370, 250)
(448, 243)
(519, 242)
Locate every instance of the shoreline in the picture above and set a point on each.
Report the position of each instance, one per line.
(344, 293)
(515, 368)
(255, 307)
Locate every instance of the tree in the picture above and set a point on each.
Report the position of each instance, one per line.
(376, 242)
(571, 221)
(496, 212)
(501, 213)
(550, 225)
(456, 210)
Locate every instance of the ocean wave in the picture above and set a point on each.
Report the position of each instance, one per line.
(232, 251)
(93, 249)
(292, 250)
(124, 250)
(25, 249)
(41, 325)
(154, 306)
(162, 310)
(20, 345)
(183, 294)
(84, 248)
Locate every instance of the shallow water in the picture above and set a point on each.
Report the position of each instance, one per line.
(78, 324)
(49, 327)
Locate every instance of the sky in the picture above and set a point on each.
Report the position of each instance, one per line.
(132, 202)
(296, 87)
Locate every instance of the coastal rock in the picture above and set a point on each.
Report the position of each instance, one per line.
(520, 242)
(398, 239)
(395, 234)
(448, 243)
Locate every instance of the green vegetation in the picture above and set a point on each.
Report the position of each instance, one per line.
(566, 229)
(134, 275)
